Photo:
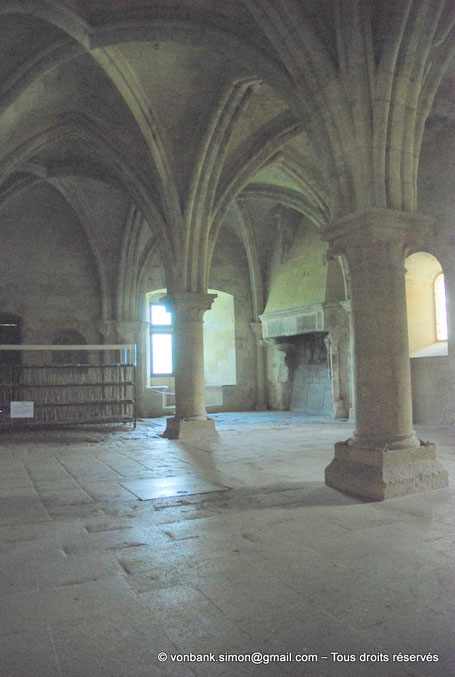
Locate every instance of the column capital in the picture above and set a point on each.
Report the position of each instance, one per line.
(108, 329)
(346, 305)
(360, 229)
(256, 328)
(131, 330)
(190, 420)
(188, 305)
(336, 318)
(115, 331)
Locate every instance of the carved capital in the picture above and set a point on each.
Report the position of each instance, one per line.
(108, 330)
(131, 331)
(335, 318)
(188, 305)
(346, 305)
(361, 233)
(115, 331)
(256, 328)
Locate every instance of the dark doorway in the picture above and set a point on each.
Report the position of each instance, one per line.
(10, 334)
(10, 361)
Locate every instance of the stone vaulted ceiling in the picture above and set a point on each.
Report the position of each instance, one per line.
(184, 107)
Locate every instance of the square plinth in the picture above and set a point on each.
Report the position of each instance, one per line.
(191, 429)
(377, 475)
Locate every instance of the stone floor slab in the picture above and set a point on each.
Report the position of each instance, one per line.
(182, 485)
(277, 563)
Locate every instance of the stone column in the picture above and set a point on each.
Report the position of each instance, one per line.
(383, 459)
(190, 420)
(261, 395)
(448, 264)
(332, 345)
(335, 325)
(349, 347)
(285, 350)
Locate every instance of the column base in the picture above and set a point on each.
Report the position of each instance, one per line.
(191, 429)
(378, 474)
(339, 410)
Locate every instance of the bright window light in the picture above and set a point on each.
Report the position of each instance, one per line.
(159, 315)
(440, 306)
(161, 353)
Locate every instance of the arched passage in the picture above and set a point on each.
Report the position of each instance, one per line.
(427, 319)
(426, 309)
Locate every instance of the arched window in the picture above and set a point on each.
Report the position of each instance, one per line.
(161, 340)
(426, 306)
(440, 307)
(219, 338)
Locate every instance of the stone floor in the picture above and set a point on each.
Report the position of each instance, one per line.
(95, 582)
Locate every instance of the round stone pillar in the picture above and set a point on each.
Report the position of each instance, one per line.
(383, 459)
(261, 394)
(190, 420)
(382, 375)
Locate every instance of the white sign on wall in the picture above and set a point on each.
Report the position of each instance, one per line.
(21, 410)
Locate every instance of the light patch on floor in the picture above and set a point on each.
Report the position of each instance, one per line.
(166, 487)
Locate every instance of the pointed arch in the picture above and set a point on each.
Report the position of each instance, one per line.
(122, 75)
(249, 241)
(81, 208)
(205, 179)
(54, 12)
(109, 150)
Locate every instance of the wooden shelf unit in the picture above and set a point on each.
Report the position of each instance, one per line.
(69, 394)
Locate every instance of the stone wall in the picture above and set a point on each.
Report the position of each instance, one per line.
(230, 274)
(311, 390)
(219, 341)
(299, 377)
(431, 390)
(298, 274)
(436, 197)
(49, 276)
